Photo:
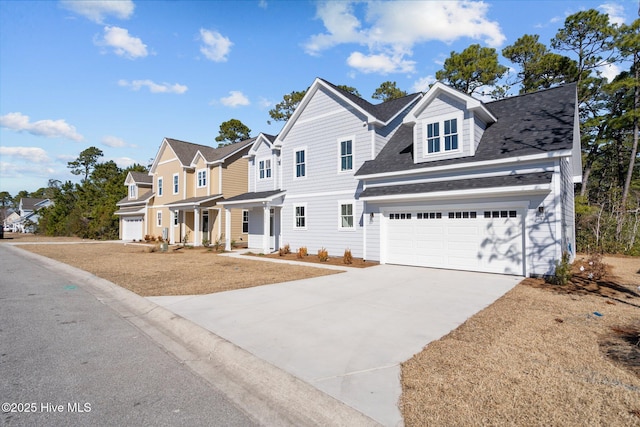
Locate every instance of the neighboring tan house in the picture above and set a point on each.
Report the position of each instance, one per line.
(439, 179)
(178, 199)
(133, 208)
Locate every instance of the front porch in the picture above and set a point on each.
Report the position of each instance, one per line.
(263, 215)
(195, 221)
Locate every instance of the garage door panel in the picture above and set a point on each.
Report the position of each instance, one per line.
(466, 240)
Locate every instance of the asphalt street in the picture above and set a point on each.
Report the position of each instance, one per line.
(68, 359)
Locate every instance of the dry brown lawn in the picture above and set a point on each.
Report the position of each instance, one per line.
(183, 272)
(542, 355)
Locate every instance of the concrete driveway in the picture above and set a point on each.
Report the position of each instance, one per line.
(347, 334)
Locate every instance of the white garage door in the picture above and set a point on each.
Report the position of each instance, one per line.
(132, 228)
(475, 240)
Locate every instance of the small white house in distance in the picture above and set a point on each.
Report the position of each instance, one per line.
(439, 179)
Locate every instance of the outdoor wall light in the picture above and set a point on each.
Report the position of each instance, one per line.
(540, 210)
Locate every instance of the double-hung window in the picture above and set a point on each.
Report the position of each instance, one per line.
(202, 178)
(450, 135)
(160, 189)
(346, 155)
(346, 216)
(176, 181)
(300, 216)
(132, 191)
(433, 137)
(265, 168)
(159, 219)
(245, 221)
(442, 134)
(301, 166)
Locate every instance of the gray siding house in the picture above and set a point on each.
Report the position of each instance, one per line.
(439, 179)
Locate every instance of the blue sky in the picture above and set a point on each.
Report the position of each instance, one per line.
(122, 75)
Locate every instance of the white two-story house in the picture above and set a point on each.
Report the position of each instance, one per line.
(439, 179)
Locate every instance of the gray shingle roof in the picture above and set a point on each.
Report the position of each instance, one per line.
(253, 196)
(534, 123)
(459, 184)
(195, 200)
(143, 196)
(141, 177)
(383, 111)
(186, 151)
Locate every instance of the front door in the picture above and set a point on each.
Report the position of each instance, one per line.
(205, 226)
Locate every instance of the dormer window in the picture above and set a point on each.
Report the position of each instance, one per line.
(133, 193)
(202, 178)
(442, 134)
(265, 168)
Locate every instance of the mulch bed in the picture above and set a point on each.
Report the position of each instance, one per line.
(313, 259)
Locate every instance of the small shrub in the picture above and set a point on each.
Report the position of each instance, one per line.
(284, 250)
(152, 238)
(593, 268)
(147, 237)
(347, 258)
(323, 255)
(218, 245)
(302, 252)
(205, 242)
(562, 275)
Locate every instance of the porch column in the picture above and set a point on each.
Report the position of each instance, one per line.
(266, 229)
(227, 229)
(197, 233)
(172, 218)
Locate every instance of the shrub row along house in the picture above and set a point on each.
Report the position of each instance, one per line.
(438, 179)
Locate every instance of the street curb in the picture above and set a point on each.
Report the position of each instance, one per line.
(266, 393)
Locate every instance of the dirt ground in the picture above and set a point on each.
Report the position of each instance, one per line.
(542, 355)
(186, 271)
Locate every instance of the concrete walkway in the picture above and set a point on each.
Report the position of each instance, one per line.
(346, 334)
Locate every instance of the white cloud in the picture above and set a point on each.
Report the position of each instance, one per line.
(264, 103)
(31, 154)
(113, 142)
(380, 63)
(122, 43)
(216, 47)
(391, 29)
(23, 170)
(423, 84)
(615, 12)
(262, 4)
(235, 99)
(123, 162)
(98, 10)
(610, 71)
(154, 87)
(49, 128)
